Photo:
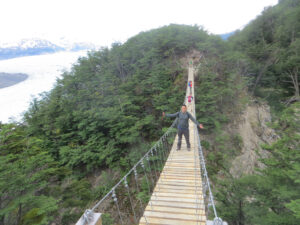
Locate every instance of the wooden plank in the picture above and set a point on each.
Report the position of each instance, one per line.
(179, 191)
(175, 187)
(182, 181)
(180, 195)
(175, 205)
(193, 211)
(168, 221)
(177, 199)
(175, 216)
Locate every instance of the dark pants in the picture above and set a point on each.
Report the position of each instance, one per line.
(186, 134)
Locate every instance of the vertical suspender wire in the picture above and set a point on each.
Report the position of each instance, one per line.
(147, 181)
(150, 175)
(153, 183)
(130, 199)
(165, 146)
(162, 150)
(161, 159)
(170, 158)
(171, 153)
(159, 163)
(137, 186)
(143, 166)
(117, 204)
(165, 149)
(155, 170)
(156, 162)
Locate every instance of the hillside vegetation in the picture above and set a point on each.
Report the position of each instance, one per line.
(100, 117)
(103, 114)
(269, 50)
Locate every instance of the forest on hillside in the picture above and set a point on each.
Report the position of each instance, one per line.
(105, 113)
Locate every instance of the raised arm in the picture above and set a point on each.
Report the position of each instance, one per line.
(193, 119)
(172, 115)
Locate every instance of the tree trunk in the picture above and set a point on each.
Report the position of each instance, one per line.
(120, 105)
(294, 77)
(19, 216)
(261, 72)
(241, 216)
(1, 217)
(120, 68)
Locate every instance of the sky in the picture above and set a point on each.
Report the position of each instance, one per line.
(104, 22)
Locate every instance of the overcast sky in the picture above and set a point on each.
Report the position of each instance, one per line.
(103, 22)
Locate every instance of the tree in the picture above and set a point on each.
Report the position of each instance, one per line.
(25, 175)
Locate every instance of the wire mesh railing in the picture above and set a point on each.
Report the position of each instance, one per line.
(126, 201)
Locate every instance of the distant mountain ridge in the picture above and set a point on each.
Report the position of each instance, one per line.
(227, 35)
(29, 47)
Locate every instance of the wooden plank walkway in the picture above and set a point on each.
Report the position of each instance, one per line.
(177, 197)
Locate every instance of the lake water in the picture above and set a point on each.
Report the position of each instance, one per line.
(43, 70)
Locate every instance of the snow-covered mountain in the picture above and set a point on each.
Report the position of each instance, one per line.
(28, 43)
(35, 46)
(73, 46)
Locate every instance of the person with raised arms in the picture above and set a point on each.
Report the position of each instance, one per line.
(183, 125)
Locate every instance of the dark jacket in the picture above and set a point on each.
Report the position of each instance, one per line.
(183, 119)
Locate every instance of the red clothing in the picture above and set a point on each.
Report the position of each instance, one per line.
(190, 98)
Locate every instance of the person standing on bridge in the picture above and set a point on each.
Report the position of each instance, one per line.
(190, 99)
(183, 125)
(190, 85)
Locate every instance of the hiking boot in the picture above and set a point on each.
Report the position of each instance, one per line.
(177, 149)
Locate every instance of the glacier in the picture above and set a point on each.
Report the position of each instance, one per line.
(43, 70)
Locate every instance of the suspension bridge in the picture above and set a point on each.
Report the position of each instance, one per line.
(165, 186)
